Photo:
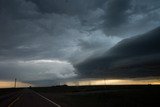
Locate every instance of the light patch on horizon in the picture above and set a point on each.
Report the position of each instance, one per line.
(10, 84)
(114, 82)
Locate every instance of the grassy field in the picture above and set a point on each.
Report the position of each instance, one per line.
(103, 96)
(5, 91)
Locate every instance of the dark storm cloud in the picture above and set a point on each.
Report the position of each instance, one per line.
(28, 30)
(138, 56)
(72, 7)
(23, 36)
(67, 30)
(116, 12)
(18, 9)
(130, 17)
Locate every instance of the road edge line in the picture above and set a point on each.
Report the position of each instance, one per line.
(14, 101)
(47, 99)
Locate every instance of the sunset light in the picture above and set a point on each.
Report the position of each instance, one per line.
(114, 82)
(10, 84)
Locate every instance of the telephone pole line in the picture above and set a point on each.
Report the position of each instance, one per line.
(15, 82)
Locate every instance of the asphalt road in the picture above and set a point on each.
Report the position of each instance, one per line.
(28, 98)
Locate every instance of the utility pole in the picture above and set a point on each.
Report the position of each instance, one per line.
(15, 82)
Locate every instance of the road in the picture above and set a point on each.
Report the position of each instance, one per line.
(28, 98)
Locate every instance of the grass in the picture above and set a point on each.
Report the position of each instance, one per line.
(100, 96)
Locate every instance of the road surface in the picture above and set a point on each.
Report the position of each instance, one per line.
(27, 98)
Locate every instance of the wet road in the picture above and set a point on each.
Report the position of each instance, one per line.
(29, 98)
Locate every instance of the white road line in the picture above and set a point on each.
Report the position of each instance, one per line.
(11, 104)
(47, 99)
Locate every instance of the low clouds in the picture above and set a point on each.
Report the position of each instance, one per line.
(36, 70)
(68, 30)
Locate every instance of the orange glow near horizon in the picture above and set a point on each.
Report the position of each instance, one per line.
(10, 84)
(115, 82)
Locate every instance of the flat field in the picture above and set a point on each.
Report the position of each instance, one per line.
(82, 96)
(103, 96)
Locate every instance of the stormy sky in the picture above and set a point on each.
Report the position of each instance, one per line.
(54, 40)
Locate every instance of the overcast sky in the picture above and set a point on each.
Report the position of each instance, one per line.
(44, 40)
